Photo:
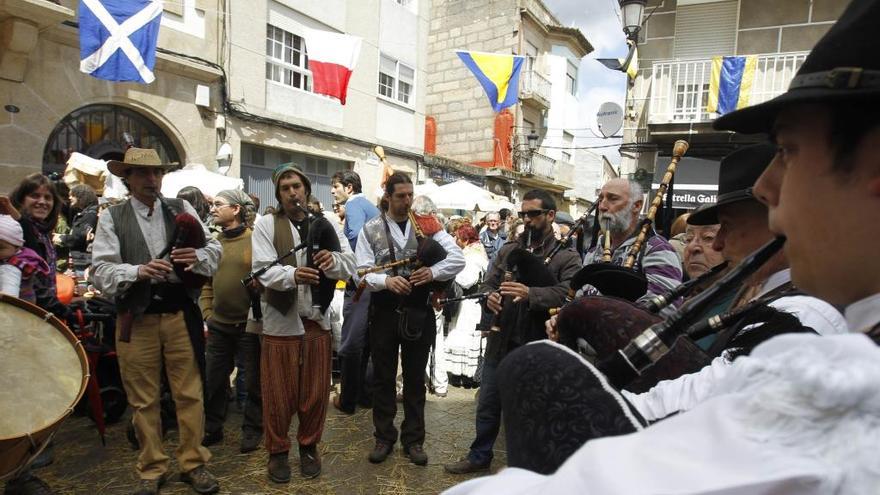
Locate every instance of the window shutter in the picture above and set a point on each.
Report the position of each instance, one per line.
(705, 30)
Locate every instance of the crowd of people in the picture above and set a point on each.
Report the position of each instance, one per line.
(780, 397)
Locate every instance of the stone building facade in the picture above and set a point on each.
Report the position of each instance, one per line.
(51, 109)
(467, 128)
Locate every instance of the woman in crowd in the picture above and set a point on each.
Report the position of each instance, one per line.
(37, 206)
(463, 344)
(84, 217)
(197, 199)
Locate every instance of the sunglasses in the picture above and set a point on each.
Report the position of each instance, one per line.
(532, 213)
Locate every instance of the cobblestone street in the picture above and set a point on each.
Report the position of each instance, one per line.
(83, 466)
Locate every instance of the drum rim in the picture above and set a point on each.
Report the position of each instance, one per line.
(77, 346)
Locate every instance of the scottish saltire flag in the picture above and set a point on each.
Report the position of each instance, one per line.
(117, 38)
(497, 74)
(730, 84)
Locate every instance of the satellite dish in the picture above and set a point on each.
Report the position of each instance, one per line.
(609, 118)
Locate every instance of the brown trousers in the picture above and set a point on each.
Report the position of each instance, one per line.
(158, 338)
(295, 379)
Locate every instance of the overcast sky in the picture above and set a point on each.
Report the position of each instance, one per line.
(600, 22)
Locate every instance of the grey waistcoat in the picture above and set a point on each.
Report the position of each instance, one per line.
(133, 250)
(378, 240)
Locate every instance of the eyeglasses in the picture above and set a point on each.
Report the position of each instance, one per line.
(217, 206)
(532, 213)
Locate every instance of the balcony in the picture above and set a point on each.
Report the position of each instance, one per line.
(535, 89)
(680, 89)
(539, 166)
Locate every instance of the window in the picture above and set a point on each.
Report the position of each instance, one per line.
(690, 102)
(286, 59)
(396, 80)
(531, 55)
(571, 75)
(567, 143)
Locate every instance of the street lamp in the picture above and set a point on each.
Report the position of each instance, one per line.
(632, 11)
(532, 139)
(632, 17)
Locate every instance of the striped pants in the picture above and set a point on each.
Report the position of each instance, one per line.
(295, 379)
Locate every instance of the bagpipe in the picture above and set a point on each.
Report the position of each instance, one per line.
(522, 266)
(321, 236)
(625, 281)
(629, 342)
(188, 233)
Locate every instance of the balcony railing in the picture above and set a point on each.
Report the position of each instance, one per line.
(680, 89)
(539, 165)
(535, 88)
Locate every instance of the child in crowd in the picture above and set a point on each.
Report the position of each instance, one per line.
(18, 264)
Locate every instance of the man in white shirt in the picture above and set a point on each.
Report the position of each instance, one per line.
(296, 347)
(159, 321)
(800, 414)
(401, 316)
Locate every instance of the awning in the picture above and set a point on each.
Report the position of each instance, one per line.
(695, 182)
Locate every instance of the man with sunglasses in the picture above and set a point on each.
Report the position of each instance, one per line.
(538, 211)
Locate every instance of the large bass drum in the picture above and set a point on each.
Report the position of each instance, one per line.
(43, 374)
(598, 326)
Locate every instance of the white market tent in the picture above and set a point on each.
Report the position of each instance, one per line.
(194, 174)
(463, 195)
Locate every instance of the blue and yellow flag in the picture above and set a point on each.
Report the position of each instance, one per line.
(730, 84)
(497, 74)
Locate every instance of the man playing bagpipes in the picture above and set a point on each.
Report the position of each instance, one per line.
(800, 413)
(400, 315)
(619, 204)
(296, 347)
(523, 306)
(159, 320)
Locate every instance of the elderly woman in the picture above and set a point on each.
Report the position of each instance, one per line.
(463, 344)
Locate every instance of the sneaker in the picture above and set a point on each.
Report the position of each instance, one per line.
(466, 466)
(440, 394)
(337, 403)
(201, 480)
(380, 452)
(278, 468)
(309, 461)
(250, 441)
(212, 438)
(416, 454)
(150, 487)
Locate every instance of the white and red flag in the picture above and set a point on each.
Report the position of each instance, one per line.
(332, 57)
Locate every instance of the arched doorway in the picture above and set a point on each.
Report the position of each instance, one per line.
(102, 131)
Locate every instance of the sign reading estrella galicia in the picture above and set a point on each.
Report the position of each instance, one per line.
(117, 38)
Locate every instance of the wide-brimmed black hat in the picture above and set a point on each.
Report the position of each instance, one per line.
(737, 173)
(843, 68)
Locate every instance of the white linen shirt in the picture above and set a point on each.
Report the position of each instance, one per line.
(686, 391)
(443, 270)
(799, 415)
(112, 277)
(281, 278)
